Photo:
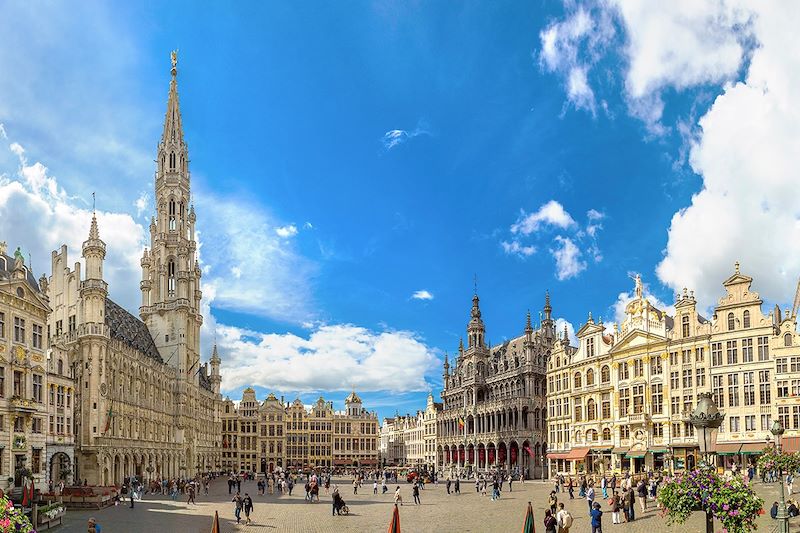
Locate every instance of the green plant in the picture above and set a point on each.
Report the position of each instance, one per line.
(772, 460)
(729, 500)
(12, 519)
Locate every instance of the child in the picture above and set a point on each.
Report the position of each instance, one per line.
(597, 518)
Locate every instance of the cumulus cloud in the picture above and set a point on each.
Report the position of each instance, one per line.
(286, 231)
(568, 247)
(618, 307)
(38, 215)
(747, 154)
(422, 295)
(560, 323)
(552, 213)
(394, 138)
(568, 258)
(331, 357)
(141, 204)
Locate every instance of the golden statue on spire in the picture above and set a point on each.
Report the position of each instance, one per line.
(174, 58)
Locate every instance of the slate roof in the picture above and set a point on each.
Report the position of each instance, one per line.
(130, 330)
(205, 381)
(7, 267)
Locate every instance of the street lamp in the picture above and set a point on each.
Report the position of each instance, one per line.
(782, 516)
(706, 418)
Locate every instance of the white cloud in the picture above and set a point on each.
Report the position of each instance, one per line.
(393, 138)
(332, 357)
(747, 154)
(422, 295)
(37, 215)
(286, 231)
(552, 213)
(3, 134)
(514, 247)
(141, 204)
(568, 258)
(618, 307)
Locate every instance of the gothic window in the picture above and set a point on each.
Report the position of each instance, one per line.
(181, 212)
(746, 319)
(60, 366)
(172, 224)
(172, 161)
(685, 325)
(171, 278)
(731, 324)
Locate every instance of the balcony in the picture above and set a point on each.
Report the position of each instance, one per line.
(24, 405)
(638, 418)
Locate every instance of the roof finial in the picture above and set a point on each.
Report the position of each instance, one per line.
(736, 266)
(93, 204)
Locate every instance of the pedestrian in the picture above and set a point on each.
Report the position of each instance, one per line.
(247, 505)
(190, 490)
(604, 487)
(375, 487)
(631, 504)
(397, 497)
(477, 484)
(384, 488)
(131, 493)
(773, 511)
(447, 484)
(597, 519)
(641, 490)
(458, 486)
(237, 500)
(615, 508)
(563, 519)
(510, 480)
(355, 486)
(553, 502)
(549, 522)
(590, 498)
(338, 502)
(93, 524)
(789, 482)
(415, 492)
(571, 489)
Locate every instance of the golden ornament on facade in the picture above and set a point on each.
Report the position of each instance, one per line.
(19, 352)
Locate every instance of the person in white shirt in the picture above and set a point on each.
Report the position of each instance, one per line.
(563, 519)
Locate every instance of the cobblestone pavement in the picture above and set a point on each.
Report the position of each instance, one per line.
(440, 513)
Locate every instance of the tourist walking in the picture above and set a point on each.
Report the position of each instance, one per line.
(553, 502)
(415, 492)
(597, 519)
(447, 484)
(458, 486)
(630, 503)
(190, 491)
(641, 490)
(397, 497)
(247, 505)
(604, 487)
(563, 519)
(615, 508)
(237, 510)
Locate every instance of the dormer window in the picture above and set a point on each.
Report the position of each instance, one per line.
(590, 347)
(685, 326)
(787, 339)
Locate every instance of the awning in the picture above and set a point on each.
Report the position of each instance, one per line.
(557, 455)
(636, 454)
(728, 448)
(752, 448)
(341, 462)
(790, 444)
(577, 454)
(658, 449)
(601, 450)
(621, 450)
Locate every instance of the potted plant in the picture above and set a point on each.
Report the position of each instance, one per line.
(51, 512)
(12, 518)
(729, 500)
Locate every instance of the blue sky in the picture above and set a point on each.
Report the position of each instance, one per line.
(347, 157)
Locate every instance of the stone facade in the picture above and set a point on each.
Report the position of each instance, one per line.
(265, 436)
(144, 404)
(498, 392)
(620, 399)
(24, 403)
(411, 439)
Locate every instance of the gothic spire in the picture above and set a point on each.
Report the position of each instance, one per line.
(173, 129)
(214, 355)
(94, 234)
(528, 326)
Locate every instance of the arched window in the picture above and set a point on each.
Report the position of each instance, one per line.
(591, 410)
(172, 224)
(746, 319)
(787, 339)
(60, 366)
(606, 434)
(590, 377)
(731, 323)
(685, 325)
(578, 383)
(591, 435)
(605, 374)
(171, 278)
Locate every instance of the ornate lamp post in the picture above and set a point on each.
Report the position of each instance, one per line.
(706, 418)
(783, 516)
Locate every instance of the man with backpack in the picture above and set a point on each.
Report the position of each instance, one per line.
(563, 519)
